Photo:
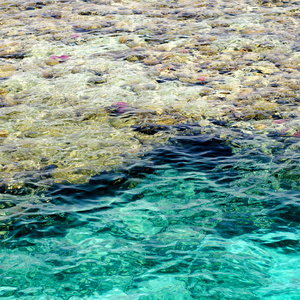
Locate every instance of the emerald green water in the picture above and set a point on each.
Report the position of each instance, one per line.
(195, 219)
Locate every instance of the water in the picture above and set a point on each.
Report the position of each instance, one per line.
(64, 63)
(195, 219)
(149, 149)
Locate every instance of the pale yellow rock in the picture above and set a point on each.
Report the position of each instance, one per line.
(264, 105)
(259, 126)
(51, 62)
(6, 70)
(8, 47)
(123, 39)
(3, 91)
(151, 61)
(159, 111)
(167, 75)
(3, 133)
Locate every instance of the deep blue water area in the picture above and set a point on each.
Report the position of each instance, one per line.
(197, 218)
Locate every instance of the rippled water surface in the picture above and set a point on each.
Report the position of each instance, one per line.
(149, 149)
(66, 67)
(192, 220)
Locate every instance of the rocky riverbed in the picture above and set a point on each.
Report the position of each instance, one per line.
(88, 86)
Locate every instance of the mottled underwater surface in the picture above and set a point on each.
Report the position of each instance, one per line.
(149, 149)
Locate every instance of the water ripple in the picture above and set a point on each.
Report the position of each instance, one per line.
(189, 220)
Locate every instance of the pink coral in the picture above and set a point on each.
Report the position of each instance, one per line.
(121, 106)
(61, 58)
(281, 121)
(296, 134)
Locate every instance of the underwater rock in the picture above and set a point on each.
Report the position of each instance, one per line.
(12, 50)
(296, 134)
(96, 80)
(246, 116)
(151, 61)
(138, 87)
(92, 26)
(31, 134)
(184, 15)
(150, 129)
(165, 286)
(120, 107)
(3, 133)
(49, 75)
(117, 108)
(60, 59)
(259, 126)
(280, 121)
(135, 57)
(232, 77)
(123, 39)
(218, 122)
(51, 62)
(4, 102)
(77, 69)
(20, 55)
(7, 70)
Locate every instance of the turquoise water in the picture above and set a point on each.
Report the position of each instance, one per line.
(149, 149)
(195, 219)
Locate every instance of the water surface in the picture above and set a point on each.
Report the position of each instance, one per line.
(192, 220)
(149, 149)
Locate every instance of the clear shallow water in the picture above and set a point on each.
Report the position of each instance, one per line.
(194, 219)
(64, 63)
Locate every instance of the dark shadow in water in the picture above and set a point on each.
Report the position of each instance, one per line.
(185, 153)
(190, 152)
